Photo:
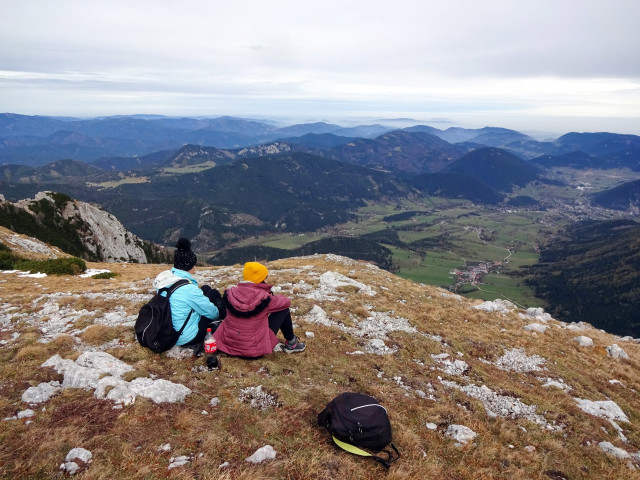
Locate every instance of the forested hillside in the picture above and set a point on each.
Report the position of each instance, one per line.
(592, 274)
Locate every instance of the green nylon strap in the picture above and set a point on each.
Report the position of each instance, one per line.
(351, 448)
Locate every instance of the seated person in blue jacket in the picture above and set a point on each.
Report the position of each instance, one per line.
(205, 304)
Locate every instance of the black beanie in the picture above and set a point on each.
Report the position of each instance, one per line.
(183, 257)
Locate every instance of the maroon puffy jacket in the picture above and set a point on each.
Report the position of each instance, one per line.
(245, 330)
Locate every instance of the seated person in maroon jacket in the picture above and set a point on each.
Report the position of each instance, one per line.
(254, 316)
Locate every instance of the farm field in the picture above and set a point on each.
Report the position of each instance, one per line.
(432, 238)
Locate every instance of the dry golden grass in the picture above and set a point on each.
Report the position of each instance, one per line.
(125, 442)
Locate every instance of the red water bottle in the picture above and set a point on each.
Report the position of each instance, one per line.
(211, 350)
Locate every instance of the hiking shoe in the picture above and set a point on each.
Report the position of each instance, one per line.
(293, 346)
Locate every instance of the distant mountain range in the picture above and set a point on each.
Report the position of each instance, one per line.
(38, 140)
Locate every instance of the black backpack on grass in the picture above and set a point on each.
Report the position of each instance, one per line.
(154, 328)
(357, 421)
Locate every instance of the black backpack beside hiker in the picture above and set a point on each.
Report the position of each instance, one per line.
(357, 421)
(154, 328)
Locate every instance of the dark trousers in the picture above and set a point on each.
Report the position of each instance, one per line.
(213, 295)
(282, 321)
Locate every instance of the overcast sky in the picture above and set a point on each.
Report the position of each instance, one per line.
(538, 65)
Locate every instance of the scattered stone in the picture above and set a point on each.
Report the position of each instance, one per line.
(530, 449)
(164, 448)
(309, 334)
(460, 434)
(609, 449)
(25, 413)
(102, 372)
(214, 402)
(536, 327)
(607, 409)
(584, 341)
(331, 282)
(559, 383)
(87, 370)
(319, 316)
(439, 356)
(376, 326)
(75, 456)
(179, 353)
(263, 453)
(614, 351)
(223, 465)
(499, 405)
(515, 360)
(378, 347)
(258, 398)
(536, 313)
(42, 393)
(457, 367)
(121, 391)
(181, 461)
(498, 305)
(432, 426)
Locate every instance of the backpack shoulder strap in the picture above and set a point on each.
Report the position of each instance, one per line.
(358, 451)
(172, 289)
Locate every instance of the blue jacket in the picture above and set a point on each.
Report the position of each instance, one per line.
(183, 300)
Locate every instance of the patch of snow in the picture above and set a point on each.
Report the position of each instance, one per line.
(164, 448)
(90, 272)
(309, 334)
(263, 453)
(431, 426)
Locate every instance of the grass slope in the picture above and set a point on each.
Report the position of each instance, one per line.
(410, 383)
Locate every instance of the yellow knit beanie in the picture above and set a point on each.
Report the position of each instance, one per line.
(254, 272)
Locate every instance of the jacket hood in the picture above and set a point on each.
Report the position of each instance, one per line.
(248, 299)
(165, 279)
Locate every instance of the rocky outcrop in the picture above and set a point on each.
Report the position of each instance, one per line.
(85, 229)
